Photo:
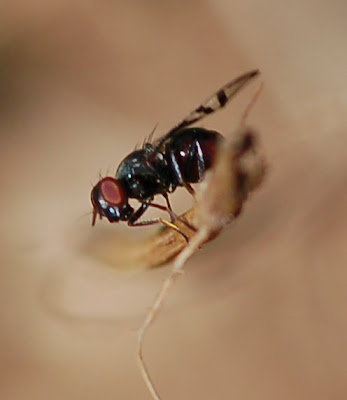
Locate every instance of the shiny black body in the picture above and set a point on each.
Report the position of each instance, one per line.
(144, 173)
(179, 158)
(190, 153)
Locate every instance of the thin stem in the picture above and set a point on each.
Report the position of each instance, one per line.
(177, 269)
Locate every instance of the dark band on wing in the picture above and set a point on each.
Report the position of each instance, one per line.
(215, 102)
(204, 110)
(222, 98)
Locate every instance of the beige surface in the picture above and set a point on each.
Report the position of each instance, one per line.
(261, 313)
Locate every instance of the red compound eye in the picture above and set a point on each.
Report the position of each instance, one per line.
(111, 191)
(110, 200)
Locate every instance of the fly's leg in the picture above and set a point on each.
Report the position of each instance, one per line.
(133, 221)
(163, 221)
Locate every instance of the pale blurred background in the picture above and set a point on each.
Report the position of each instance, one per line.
(261, 312)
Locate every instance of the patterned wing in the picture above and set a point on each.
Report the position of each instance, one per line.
(215, 102)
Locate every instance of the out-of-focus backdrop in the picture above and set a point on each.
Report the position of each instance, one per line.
(261, 311)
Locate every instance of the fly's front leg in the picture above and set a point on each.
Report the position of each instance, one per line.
(168, 209)
(138, 214)
(163, 221)
(133, 221)
(174, 217)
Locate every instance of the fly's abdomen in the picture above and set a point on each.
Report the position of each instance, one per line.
(191, 153)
